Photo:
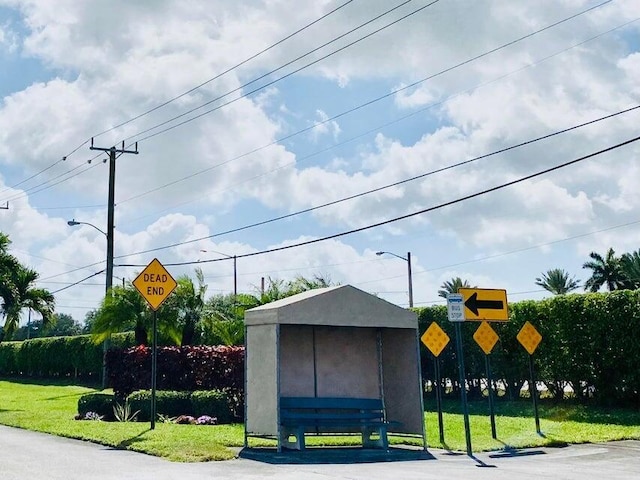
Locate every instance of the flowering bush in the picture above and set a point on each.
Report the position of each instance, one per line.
(89, 416)
(188, 368)
(206, 420)
(185, 420)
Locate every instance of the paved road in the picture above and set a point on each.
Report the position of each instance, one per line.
(27, 455)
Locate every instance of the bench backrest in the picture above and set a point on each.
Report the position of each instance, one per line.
(330, 403)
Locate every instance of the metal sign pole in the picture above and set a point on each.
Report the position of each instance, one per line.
(491, 404)
(436, 363)
(463, 387)
(154, 358)
(534, 394)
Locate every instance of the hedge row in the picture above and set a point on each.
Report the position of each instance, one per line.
(187, 368)
(213, 403)
(57, 356)
(590, 342)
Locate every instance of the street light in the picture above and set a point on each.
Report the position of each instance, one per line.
(408, 260)
(108, 282)
(73, 223)
(235, 271)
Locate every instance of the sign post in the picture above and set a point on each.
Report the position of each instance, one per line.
(456, 315)
(487, 338)
(529, 338)
(155, 284)
(435, 339)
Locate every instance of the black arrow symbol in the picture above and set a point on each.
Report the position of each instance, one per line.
(473, 304)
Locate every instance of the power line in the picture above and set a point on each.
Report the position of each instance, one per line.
(268, 84)
(262, 87)
(334, 202)
(413, 214)
(301, 159)
(228, 70)
(346, 112)
(171, 100)
(510, 252)
(78, 282)
(252, 57)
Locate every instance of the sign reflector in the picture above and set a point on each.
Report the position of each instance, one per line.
(486, 337)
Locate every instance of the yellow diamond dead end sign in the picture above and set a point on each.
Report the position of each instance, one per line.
(155, 284)
(435, 339)
(486, 337)
(529, 337)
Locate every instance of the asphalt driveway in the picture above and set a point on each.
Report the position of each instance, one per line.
(29, 455)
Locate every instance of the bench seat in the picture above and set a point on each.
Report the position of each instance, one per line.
(300, 415)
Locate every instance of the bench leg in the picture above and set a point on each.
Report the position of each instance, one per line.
(380, 442)
(285, 438)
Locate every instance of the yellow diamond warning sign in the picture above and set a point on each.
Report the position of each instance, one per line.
(155, 284)
(486, 337)
(529, 337)
(435, 339)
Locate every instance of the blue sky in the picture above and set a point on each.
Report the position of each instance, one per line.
(64, 78)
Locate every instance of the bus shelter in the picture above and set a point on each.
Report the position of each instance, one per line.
(332, 342)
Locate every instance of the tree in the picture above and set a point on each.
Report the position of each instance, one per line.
(277, 288)
(20, 293)
(63, 326)
(124, 309)
(604, 271)
(452, 286)
(557, 281)
(630, 266)
(188, 302)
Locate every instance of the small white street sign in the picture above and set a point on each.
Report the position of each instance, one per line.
(455, 307)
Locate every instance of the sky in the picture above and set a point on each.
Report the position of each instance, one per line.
(245, 112)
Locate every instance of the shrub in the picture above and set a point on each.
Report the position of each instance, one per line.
(98, 403)
(187, 368)
(213, 403)
(168, 403)
(50, 357)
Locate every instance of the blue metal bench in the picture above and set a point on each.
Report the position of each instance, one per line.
(300, 415)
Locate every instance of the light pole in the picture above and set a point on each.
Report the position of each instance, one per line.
(108, 283)
(408, 260)
(235, 272)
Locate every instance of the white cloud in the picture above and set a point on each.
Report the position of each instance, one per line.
(162, 48)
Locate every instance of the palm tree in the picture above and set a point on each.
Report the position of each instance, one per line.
(605, 271)
(124, 309)
(19, 293)
(557, 281)
(452, 286)
(630, 266)
(189, 301)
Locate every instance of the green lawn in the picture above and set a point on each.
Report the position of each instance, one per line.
(50, 408)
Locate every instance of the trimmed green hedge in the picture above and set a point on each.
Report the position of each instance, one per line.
(100, 403)
(590, 342)
(57, 356)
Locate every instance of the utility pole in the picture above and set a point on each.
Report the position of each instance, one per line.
(110, 213)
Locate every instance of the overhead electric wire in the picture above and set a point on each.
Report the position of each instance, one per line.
(78, 282)
(413, 214)
(359, 106)
(334, 202)
(191, 90)
(363, 105)
(268, 84)
(416, 271)
(228, 70)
